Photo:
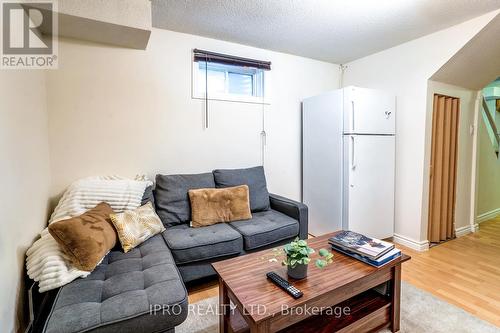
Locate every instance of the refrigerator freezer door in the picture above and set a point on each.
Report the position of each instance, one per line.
(322, 161)
(369, 111)
(369, 184)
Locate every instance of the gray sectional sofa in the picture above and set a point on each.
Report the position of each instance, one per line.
(123, 292)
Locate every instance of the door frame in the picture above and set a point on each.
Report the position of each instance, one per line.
(474, 226)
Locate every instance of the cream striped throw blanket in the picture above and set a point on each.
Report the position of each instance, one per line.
(46, 262)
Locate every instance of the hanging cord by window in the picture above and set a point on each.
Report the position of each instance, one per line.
(206, 91)
(263, 133)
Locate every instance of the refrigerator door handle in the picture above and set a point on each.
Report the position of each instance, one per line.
(353, 154)
(352, 116)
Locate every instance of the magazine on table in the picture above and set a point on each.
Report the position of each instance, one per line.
(370, 248)
(389, 256)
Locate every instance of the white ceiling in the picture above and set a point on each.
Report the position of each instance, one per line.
(331, 30)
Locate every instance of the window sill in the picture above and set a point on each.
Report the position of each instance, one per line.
(237, 99)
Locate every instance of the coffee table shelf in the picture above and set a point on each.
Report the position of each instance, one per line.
(369, 311)
(236, 323)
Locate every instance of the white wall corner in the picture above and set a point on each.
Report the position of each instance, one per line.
(462, 231)
(342, 69)
(411, 243)
(487, 216)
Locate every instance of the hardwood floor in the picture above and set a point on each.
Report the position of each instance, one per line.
(464, 272)
(202, 291)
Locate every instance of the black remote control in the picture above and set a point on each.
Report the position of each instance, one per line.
(284, 284)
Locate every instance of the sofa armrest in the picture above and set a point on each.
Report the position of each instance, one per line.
(294, 209)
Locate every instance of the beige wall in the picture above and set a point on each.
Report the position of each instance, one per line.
(24, 167)
(465, 157)
(404, 70)
(488, 184)
(123, 111)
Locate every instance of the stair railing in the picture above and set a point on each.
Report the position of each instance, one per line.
(492, 124)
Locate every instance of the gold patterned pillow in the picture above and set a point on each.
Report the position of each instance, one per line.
(136, 226)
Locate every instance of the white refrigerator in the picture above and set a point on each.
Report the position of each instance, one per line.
(348, 161)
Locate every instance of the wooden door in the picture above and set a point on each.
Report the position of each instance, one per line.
(443, 171)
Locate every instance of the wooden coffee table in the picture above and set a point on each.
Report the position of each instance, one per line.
(345, 284)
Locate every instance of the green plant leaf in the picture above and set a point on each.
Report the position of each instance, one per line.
(323, 252)
(320, 263)
(302, 242)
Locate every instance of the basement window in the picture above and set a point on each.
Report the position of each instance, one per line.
(228, 78)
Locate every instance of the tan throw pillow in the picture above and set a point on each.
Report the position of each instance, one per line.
(213, 205)
(87, 238)
(136, 226)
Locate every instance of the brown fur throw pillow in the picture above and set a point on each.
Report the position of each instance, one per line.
(213, 205)
(86, 238)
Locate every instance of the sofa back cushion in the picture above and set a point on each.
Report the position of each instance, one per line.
(172, 199)
(253, 177)
(148, 196)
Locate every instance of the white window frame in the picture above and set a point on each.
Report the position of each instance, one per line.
(198, 93)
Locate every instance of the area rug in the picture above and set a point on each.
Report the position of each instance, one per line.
(421, 312)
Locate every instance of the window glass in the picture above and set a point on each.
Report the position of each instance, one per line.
(241, 84)
(216, 80)
(225, 81)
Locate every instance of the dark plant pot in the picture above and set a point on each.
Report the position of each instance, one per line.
(298, 272)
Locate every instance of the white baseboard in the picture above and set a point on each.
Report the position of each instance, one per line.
(424, 245)
(488, 215)
(462, 231)
(411, 243)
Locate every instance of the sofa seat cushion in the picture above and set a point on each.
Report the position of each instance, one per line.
(265, 228)
(195, 244)
(118, 295)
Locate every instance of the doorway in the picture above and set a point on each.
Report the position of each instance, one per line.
(443, 168)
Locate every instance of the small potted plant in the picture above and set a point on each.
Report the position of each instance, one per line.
(298, 257)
